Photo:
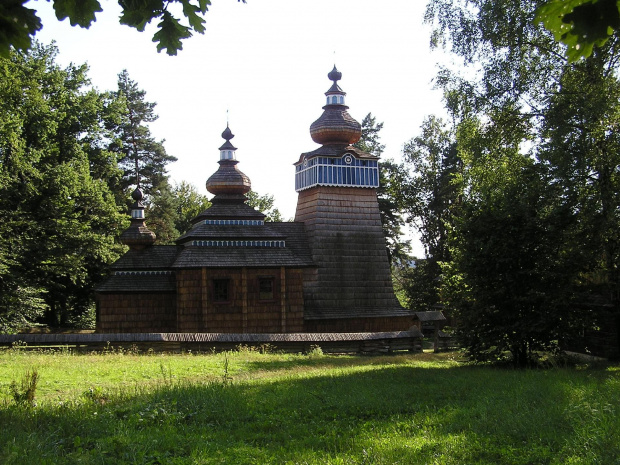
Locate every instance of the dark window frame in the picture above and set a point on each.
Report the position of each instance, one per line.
(222, 290)
(263, 280)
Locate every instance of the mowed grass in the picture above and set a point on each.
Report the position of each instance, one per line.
(245, 407)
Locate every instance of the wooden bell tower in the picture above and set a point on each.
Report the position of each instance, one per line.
(351, 288)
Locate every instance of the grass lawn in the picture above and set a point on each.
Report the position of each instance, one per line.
(245, 407)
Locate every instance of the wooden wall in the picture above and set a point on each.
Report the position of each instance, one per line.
(344, 229)
(137, 312)
(359, 325)
(244, 312)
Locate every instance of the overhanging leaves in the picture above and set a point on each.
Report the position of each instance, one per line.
(17, 25)
(580, 24)
(80, 12)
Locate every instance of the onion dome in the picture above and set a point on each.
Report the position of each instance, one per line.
(228, 179)
(137, 236)
(335, 126)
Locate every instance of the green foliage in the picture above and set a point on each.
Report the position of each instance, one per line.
(59, 217)
(370, 140)
(19, 24)
(189, 204)
(388, 194)
(25, 392)
(143, 159)
(534, 235)
(264, 204)
(509, 288)
(80, 13)
(419, 283)
(581, 25)
(431, 191)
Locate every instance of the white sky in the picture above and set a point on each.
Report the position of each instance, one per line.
(266, 62)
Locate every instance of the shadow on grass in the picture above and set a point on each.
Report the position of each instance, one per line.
(377, 414)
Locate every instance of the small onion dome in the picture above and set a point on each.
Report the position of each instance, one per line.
(228, 179)
(137, 235)
(335, 126)
(334, 75)
(137, 195)
(227, 150)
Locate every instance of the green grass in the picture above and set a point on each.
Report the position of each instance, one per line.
(250, 408)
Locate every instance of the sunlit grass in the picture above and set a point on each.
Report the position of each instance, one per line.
(247, 407)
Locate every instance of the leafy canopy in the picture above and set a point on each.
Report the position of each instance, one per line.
(19, 24)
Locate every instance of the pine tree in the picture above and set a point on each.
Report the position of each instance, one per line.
(143, 159)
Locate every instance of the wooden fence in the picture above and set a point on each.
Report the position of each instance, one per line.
(377, 342)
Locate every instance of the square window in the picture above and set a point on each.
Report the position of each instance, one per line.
(265, 288)
(221, 290)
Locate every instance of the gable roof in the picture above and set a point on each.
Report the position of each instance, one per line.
(138, 283)
(157, 257)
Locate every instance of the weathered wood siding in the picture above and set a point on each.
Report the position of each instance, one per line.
(136, 312)
(244, 311)
(348, 245)
(356, 325)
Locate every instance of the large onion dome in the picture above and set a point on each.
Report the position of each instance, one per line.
(335, 126)
(228, 179)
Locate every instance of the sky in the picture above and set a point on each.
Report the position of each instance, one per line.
(262, 66)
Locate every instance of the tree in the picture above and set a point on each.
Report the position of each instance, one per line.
(431, 192)
(189, 204)
(265, 204)
(143, 159)
(511, 277)
(429, 196)
(59, 217)
(161, 212)
(19, 24)
(370, 139)
(522, 100)
(388, 194)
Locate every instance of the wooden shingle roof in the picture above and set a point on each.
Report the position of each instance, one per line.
(138, 283)
(430, 316)
(295, 253)
(159, 257)
(237, 257)
(203, 231)
(337, 150)
(225, 209)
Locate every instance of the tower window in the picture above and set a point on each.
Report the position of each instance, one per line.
(221, 290)
(341, 99)
(265, 288)
(334, 99)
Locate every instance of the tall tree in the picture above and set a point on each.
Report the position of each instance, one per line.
(430, 197)
(143, 159)
(511, 279)
(389, 198)
(140, 156)
(59, 218)
(523, 100)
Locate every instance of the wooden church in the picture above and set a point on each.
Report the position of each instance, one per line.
(233, 272)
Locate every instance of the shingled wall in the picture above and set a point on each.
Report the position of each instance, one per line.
(244, 311)
(136, 312)
(347, 242)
